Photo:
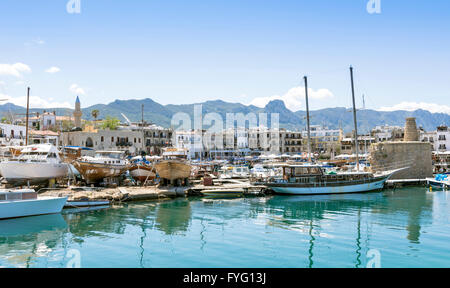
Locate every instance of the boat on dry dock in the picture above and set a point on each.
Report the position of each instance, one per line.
(141, 169)
(35, 164)
(23, 203)
(312, 180)
(105, 164)
(175, 165)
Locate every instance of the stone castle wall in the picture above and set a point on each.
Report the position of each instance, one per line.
(393, 155)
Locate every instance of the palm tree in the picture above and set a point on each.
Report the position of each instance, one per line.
(95, 114)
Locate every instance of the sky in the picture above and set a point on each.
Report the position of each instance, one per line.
(246, 51)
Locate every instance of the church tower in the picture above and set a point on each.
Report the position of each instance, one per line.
(77, 113)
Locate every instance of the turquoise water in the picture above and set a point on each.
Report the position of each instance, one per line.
(404, 228)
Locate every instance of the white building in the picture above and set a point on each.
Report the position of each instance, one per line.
(323, 140)
(191, 140)
(12, 135)
(388, 133)
(442, 142)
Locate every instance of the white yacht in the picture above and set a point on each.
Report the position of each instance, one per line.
(36, 163)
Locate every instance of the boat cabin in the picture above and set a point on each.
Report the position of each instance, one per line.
(39, 153)
(175, 153)
(18, 195)
(316, 174)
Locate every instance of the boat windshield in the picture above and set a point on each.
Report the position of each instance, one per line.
(108, 155)
(33, 156)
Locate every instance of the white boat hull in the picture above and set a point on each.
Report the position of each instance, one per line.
(25, 208)
(142, 174)
(358, 188)
(33, 172)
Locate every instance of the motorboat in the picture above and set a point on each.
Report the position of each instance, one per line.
(26, 202)
(35, 164)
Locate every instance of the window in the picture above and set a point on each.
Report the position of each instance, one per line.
(102, 139)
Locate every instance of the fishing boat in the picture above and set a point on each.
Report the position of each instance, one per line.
(24, 203)
(312, 180)
(174, 164)
(35, 164)
(141, 169)
(105, 164)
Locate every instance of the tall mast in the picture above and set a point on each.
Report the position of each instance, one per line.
(143, 131)
(307, 119)
(354, 119)
(28, 109)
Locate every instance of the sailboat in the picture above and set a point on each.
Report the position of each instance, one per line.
(312, 179)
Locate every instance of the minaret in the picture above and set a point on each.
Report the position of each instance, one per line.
(77, 113)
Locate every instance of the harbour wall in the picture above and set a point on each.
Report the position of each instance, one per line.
(393, 155)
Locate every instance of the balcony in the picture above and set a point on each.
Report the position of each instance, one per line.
(124, 144)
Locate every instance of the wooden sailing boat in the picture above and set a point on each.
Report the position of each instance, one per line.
(105, 164)
(142, 170)
(174, 166)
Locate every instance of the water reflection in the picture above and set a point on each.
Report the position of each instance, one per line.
(24, 240)
(137, 227)
(174, 217)
(408, 209)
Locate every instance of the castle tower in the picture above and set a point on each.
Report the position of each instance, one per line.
(411, 132)
(77, 113)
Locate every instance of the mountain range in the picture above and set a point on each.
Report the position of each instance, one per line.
(332, 118)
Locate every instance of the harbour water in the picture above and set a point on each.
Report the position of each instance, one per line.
(407, 227)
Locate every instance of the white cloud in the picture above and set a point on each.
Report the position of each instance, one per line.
(77, 90)
(53, 70)
(35, 102)
(35, 42)
(294, 98)
(14, 69)
(413, 106)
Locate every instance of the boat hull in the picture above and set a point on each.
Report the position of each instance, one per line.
(288, 189)
(142, 173)
(16, 172)
(26, 208)
(94, 172)
(172, 170)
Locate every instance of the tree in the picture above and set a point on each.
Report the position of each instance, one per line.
(95, 114)
(110, 123)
